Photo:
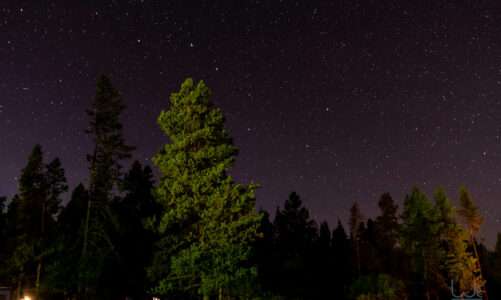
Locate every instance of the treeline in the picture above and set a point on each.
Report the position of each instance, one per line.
(196, 234)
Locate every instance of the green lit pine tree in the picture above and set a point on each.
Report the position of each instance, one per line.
(208, 222)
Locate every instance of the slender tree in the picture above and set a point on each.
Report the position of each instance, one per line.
(387, 222)
(110, 149)
(295, 234)
(473, 220)
(342, 269)
(3, 236)
(460, 266)
(497, 267)
(135, 243)
(356, 219)
(55, 186)
(209, 222)
(62, 271)
(31, 219)
(419, 238)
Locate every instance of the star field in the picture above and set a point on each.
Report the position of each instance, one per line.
(338, 100)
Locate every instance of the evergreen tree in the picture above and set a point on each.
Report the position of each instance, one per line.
(55, 186)
(266, 255)
(356, 219)
(387, 223)
(472, 219)
(386, 236)
(135, 242)
(295, 234)
(3, 223)
(323, 261)
(31, 219)
(342, 267)
(419, 239)
(62, 275)
(496, 278)
(324, 236)
(208, 223)
(460, 266)
(110, 149)
(18, 251)
(3, 236)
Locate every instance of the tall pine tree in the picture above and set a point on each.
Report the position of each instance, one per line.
(110, 149)
(419, 239)
(209, 221)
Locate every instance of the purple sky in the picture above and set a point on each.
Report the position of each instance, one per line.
(338, 100)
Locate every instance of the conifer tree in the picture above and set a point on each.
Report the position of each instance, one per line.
(497, 267)
(208, 223)
(460, 266)
(387, 223)
(32, 218)
(266, 255)
(3, 236)
(419, 239)
(295, 234)
(63, 272)
(110, 149)
(3, 223)
(356, 220)
(473, 220)
(135, 243)
(342, 264)
(323, 262)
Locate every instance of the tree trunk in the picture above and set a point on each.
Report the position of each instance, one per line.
(37, 283)
(39, 266)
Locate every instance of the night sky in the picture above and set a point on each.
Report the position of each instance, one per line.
(338, 100)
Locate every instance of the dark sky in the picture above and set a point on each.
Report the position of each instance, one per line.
(338, 100)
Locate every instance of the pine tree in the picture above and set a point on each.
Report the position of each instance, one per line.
(342, 264)
(61, 272)
(32, 214)
(266, 256)
(110, 149)
(419, 239)
(295, 234)
(497, 268)
(472, 219)
(32, 218)
(356, 219)
(18, 249)
(3, 236)
(3, 223)
(323, 262)
(55, 186)
(135, 242)
(387, 223)
(208, 222)
(460, 266)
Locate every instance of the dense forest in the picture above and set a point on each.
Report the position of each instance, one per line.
(195, 233)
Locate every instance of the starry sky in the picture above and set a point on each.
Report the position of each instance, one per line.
(338, 100)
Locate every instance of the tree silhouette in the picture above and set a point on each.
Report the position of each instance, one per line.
(295, 234)
(109, 150)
